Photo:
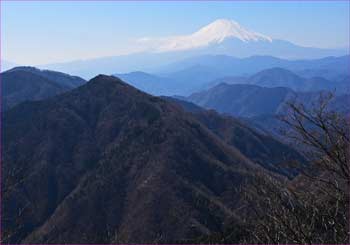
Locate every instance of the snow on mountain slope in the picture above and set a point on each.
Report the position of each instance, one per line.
(214, 33)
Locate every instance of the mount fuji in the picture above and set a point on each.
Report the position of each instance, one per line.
(221, 37)
(228, 37)
(216, 32)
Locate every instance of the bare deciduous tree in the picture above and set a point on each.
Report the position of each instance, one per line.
(314, 207)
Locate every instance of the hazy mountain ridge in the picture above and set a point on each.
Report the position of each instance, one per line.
(261, 107)
(58, 77)
(279, 77)
(28, 83)
(256, 63)
(246, 100)
(150, 83)
(198, 73)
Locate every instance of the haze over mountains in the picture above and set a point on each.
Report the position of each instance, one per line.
(203, 72)
(259, 96)
(247, 100)
(221, 37)
(230, 65)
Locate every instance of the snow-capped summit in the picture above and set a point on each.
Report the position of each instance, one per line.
(221, 29)
(214, 33)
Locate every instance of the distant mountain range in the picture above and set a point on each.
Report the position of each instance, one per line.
(279, 77)
(164, 63)
(221, 37)
(86, 167)
(204, 72)
(152, 84)
(259, 94)
(180, 82)
(225, 36)
(29, 83)
(246, 100)
(242, 99)
(207, 67)
(328, 67)
(261, 107)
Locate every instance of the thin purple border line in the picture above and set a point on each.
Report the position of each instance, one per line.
(0, 125)
(349, 99)
(165, 1)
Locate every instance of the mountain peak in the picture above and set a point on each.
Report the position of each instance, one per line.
(110, 82)
(24, 68)
(221, 29)
(213, 33)
(224, 23)
(275, 71)
(225, 28)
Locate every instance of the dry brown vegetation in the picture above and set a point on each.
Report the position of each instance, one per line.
(312, 208)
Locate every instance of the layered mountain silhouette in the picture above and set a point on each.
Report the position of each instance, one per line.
(183, 82)
(242, 99)
(28, 83)
(199, 73)
(328, 67)
(107, 163)
(246, 100)
(279, 77)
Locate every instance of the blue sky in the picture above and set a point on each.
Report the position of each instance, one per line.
(48, 32)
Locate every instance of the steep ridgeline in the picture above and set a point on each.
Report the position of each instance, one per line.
(257, 146)
(107, 163)
(28, 83)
